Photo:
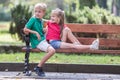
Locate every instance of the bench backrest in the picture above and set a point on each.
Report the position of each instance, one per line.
(112, 31)
(94, 28)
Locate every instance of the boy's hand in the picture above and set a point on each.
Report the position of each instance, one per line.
(27, 31)
(38, 36)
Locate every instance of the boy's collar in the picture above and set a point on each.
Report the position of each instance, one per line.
(38, 19)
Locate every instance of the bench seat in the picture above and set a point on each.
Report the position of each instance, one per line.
(75, 51)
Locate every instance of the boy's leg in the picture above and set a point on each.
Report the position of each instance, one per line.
(67, 34)
(50, 52)
(44, 46)
(39, 71)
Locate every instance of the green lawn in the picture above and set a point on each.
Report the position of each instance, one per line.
(5, 36)
(6, 39)
(4, 26)
(63, 58)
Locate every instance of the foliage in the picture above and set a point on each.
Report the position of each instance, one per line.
(70, 18)
(93, 16)
(20, 15)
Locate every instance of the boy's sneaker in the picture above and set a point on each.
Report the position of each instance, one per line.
(39, 71)
(95, 44)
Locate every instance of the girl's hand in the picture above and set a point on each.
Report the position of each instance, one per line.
(38, 36)
(45, 30)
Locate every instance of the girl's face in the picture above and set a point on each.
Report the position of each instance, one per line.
(54, 18)
(38, 13)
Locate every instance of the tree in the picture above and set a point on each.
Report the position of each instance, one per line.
(20, 15)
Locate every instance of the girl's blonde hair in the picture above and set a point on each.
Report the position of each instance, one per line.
(61, 15)
(42, 6)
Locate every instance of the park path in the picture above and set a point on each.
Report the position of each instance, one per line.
(58, 76)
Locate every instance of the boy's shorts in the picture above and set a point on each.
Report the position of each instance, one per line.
(55, 43)
(43, 45)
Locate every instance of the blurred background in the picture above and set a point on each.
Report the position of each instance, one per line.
(15, 13)
(72, 8)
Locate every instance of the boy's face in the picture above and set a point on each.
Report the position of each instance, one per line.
(38, 13)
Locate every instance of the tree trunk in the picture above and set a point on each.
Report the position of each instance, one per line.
(89, 3)
(102, 3)
(59, 4)
(116, 7)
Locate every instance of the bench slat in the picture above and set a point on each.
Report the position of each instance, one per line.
(94, 28)
(71, 50)
(31, 49)
(88, 51)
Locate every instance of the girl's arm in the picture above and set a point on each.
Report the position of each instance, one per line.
(45, 29)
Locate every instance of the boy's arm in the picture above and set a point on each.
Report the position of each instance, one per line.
(27, 31)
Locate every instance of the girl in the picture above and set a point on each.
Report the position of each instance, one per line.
(58, 32)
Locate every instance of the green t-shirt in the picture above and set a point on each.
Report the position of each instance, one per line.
(35, 24)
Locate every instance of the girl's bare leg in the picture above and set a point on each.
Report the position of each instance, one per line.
(67, 34)
(94, 45)
(69, 45)
(64, 35)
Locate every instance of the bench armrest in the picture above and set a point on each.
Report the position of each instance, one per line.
(26, 38)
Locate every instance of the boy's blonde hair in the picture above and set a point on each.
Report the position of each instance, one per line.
(42, 6)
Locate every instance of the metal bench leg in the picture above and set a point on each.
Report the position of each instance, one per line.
(26, 38)
(26, 64)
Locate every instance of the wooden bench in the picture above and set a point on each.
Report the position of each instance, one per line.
(109, 36)
(109, 44)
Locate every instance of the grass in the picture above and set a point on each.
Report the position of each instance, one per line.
(4, 26)
(63, 58)
(6, 38)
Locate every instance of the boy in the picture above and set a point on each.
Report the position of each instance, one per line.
(34, 27)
